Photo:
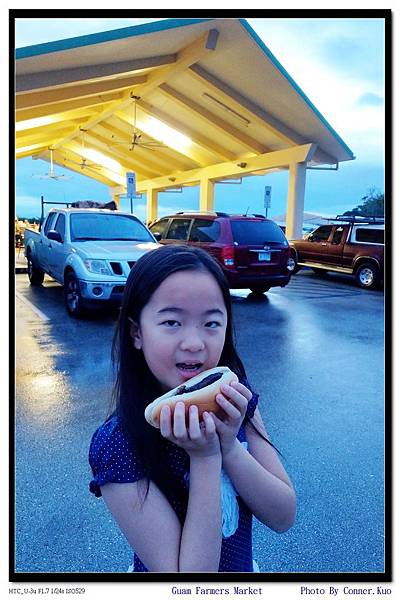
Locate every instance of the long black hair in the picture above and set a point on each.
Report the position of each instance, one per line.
(135, 386)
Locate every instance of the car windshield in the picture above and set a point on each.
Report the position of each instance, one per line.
(256, 232)
(102, 226)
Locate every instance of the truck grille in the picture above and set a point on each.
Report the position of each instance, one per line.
(120, 267)
(116, 267)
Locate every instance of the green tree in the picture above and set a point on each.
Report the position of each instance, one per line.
(373, 205)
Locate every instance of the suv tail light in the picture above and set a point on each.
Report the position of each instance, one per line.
(228, 256)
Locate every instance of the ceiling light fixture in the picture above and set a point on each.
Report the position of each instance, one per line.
(226, 107)
(164, 133)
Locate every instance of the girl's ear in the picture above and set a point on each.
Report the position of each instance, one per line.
(134, 330)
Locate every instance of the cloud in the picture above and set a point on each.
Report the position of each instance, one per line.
(370, 99)
(51, 30)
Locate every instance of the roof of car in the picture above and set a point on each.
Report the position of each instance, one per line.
(213, 214)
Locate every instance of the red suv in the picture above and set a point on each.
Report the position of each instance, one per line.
(252, 250)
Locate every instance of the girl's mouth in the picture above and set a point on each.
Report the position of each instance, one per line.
(189, 370)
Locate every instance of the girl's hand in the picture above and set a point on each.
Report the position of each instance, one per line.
(233, 401)
(198, 439)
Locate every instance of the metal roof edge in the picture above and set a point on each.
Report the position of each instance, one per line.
(276, 62)
(103, 36)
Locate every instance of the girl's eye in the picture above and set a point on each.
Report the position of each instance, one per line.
(170, 323)
(213, 324)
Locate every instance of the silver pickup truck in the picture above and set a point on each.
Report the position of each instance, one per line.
(89, 251)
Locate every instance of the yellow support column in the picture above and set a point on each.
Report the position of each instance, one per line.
(295, 204)
(116, 198)
(206, 195)
(152, 204)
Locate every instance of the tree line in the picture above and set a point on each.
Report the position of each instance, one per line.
(372, 205)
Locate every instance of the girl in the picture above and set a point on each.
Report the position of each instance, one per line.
(163, 487)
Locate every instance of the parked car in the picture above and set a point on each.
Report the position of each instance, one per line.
(252, 250)
(351, 245)
(90, 251)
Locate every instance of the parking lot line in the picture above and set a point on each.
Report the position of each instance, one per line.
(38, 312)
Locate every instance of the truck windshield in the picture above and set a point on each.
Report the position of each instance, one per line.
(101, 226)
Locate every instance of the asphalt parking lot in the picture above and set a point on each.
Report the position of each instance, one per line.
(315, 353)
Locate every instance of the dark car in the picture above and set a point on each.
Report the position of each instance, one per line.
(252, 250)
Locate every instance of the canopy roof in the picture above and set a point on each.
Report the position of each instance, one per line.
(207, 91)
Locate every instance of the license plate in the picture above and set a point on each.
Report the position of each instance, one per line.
(263, 256)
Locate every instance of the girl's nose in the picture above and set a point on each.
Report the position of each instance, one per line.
(192, 341)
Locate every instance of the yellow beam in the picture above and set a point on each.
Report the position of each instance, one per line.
(74, 92)
(241, 104)
(210, 145)
(189, 152)
(46, 138)
(99, 176)
(186, 57)
(228, 170)
(130, 160)
(223, 127)
(86, 73)
(165, 158)
(91, 105)
(57, 128)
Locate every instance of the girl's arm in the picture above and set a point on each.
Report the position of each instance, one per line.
(257, 474)
(261, 481)
(152, 527)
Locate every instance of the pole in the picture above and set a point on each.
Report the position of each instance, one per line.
(130, 196)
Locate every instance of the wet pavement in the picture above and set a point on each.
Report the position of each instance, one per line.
(314, 352)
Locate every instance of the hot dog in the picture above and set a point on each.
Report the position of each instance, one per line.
(200, 390)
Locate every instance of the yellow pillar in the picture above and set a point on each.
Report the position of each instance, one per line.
(295, 203)
(152, 204)
(116, 198)
(206, 195)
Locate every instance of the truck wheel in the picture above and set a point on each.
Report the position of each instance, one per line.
(72, 296)
(35, 274)
(367, 275)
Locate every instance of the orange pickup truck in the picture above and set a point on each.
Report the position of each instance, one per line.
(352, 245)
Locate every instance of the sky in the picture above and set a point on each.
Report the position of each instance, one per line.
(338, 64)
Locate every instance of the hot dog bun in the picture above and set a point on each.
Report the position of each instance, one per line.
(203, 398)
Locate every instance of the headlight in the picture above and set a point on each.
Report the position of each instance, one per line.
(97, 266)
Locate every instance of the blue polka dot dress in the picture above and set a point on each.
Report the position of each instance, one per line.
(112, 460)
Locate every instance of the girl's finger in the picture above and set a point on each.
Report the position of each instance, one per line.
(219, 425)
(242, 389)
(179, 427)
(210, 428)
(165, 422)
(236, 398)
(194, 424)
(231, 409)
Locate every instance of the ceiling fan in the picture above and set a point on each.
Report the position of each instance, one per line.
(137, 137)
(83, 163)
(51, 174)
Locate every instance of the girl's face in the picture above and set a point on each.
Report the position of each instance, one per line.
(182, 328)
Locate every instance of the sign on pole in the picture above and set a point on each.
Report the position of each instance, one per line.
(267, 198)
(131, 186)
(130, 183)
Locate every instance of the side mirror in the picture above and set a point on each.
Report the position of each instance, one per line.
(310, 237)
(54, 235)
(157, 235)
